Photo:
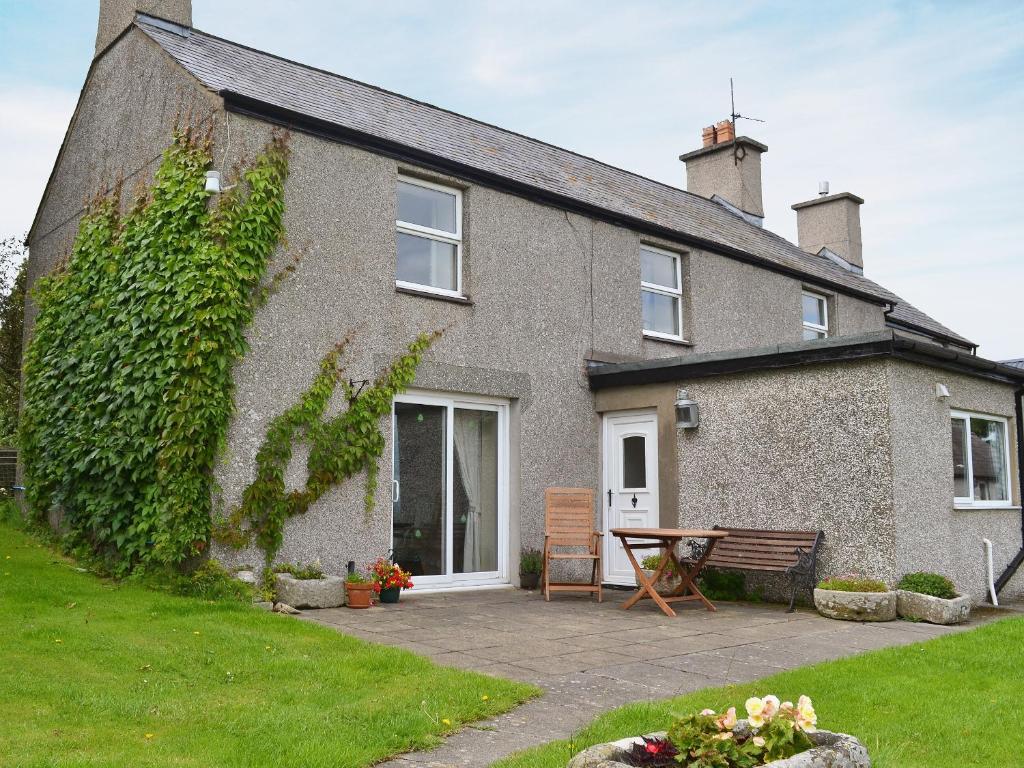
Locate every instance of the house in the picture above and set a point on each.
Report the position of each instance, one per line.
(583, 302)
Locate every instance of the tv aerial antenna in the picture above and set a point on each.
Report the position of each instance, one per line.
(738, 151)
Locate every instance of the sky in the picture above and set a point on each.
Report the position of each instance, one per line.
(914, 106)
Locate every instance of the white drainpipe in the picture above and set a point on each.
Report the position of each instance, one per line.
(991, 576)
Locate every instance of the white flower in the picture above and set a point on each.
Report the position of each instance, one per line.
(771, 706)
(755, 711)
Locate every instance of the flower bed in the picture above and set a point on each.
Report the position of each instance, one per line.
(777, 734)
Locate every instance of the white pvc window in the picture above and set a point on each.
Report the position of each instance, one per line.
(661, 293)
(981, 460)
(815, 315)
(429, 237)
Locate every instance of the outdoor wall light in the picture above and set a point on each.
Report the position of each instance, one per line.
(687, 411)
(213, 181)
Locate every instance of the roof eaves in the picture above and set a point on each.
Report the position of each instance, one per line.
(246, 105)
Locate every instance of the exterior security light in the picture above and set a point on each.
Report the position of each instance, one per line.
(213, 181)
(687, 411)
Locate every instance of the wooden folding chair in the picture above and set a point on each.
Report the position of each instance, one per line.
(569, 522)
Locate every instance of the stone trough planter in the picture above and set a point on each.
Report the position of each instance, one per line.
(855, 606)
(934, 610)
(328, 592)
(831, 750)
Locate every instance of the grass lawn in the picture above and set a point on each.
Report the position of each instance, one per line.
(946, 703)
(98, 674)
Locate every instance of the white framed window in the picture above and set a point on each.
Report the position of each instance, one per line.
(815, 314)
(429, 237)
(661, 293)
(981, 460)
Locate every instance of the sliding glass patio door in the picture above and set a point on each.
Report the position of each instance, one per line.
(449, 494)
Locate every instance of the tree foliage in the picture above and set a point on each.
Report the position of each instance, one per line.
(12, 314)
(129, 370)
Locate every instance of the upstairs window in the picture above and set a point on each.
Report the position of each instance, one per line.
(981, 460)
(661, 291)
(429, 234)
(815, 308)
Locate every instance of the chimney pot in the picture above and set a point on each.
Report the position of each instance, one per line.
(724, 131)
(708, 136)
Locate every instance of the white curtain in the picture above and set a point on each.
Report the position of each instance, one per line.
(468, 452)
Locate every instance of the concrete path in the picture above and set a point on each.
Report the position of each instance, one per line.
(590, 658)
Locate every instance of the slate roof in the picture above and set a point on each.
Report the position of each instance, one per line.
(223, 66)
(1019, 363)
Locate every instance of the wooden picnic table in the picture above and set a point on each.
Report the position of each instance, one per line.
(666, 539)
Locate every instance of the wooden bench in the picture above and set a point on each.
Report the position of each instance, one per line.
(794, 553)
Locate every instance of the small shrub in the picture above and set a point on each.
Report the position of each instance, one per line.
(723, 585)
(925, 583)
(651, 562)
(853, 583)
(356, 578)
(210, 581)
(531, 561)
(299, 571)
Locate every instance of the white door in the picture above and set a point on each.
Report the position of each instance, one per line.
(630, 484)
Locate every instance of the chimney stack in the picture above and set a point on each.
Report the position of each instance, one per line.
(727, 167)
(117, 15)
(832, 223)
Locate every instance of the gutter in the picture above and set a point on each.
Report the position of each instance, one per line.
(286, 118)
(1018, 559)
(959, 342)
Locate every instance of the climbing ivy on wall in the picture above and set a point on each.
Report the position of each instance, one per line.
(128, 374)
(340, 447)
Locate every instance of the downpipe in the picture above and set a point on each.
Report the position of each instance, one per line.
(1015, 563)
(990, 573)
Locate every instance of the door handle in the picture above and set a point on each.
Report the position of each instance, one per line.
(609, 498)
(396, 491)
(634, 501)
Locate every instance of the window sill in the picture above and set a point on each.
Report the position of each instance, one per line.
(431, 295)
(986, 508)
(664, 340)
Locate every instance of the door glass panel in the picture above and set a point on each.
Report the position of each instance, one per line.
(960, 488)
(418, 511)
(634, 462)
(475, 491)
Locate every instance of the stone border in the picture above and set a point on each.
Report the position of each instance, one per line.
(831, 750)
(934, 610)
(855, 606)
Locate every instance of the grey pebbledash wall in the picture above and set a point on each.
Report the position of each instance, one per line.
(932, 535)
(860, 450)
(548, 290)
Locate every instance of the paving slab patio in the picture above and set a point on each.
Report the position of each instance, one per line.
(590, 657)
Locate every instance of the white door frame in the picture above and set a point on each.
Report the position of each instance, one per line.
(452, 580)
(610, 455)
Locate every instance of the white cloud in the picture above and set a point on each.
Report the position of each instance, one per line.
(32, 124)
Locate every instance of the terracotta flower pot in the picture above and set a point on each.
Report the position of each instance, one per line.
(359, 595)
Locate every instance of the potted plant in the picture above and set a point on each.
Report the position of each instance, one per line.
(777, 734)
(360, 590)
(307, 586)
(531, 564)
(389, 580)
(855, 597)
(669, 580)
(931, 597)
